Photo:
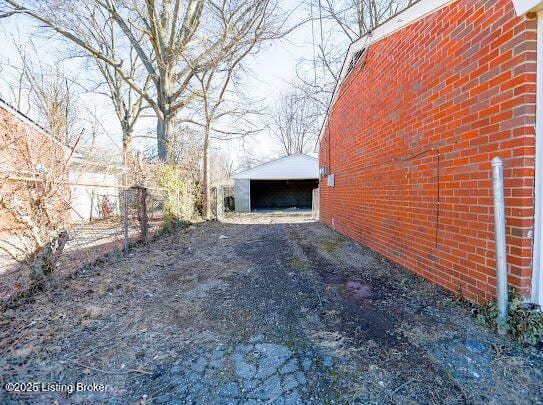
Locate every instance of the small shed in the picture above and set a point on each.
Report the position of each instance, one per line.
(284, 183)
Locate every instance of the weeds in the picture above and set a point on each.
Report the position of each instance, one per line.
(298, 264)
(182, 194)
(332, 245)
(171, 224)
(524, 323)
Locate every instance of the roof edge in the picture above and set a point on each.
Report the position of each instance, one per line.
(25, 119)
(410, 15)
(526, 6)
(22, 116)
(274, 161)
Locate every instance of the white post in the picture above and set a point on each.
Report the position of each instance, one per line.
(501, 246)
(315, 203)
(537, 274)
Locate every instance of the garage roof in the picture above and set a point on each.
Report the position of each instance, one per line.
(293, 167)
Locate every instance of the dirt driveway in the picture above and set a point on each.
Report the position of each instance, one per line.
(269, 309)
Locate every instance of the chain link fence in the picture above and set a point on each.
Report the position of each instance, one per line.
(102, 219)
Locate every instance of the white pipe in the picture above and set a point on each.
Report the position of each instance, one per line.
(537, 288)
(501, 246)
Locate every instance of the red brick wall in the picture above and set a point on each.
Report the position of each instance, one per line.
(419, 119)
(22, 148)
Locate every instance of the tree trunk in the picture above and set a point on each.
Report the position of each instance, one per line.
(127, 143)
(163, 136)
(165, 117)
(206, 186)
(45, 261)
(128, 158)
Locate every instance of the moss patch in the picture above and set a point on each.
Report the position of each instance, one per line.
(298, 263)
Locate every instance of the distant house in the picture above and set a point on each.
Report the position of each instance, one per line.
(95, 184)
(424, 103)
(284, 183)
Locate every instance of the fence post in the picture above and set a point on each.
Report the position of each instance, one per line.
(126, 221)
(177, 208)
(144, 222)
(501, 246)
(220, 202)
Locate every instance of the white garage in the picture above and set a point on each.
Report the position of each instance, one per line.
(285, 183)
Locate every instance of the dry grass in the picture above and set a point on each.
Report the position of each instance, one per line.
(298, 263)
(332, 245)
(335, 343)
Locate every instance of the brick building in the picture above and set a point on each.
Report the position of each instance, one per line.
(424, 104)
(25, 148)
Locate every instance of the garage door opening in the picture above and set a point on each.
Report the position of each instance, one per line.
(281, 184)
(282, 194)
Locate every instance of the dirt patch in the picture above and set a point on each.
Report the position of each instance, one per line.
(259, 309)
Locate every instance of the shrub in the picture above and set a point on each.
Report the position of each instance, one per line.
(171, 224)
(34, 199)
(181, 193)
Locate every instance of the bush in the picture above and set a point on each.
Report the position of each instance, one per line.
(34, 200)
(171, 224)
(182, 194)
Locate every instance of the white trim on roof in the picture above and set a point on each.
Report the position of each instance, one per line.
(27, 121)
(407, 17)
(295, 167)
(22, 117)
(525, 6)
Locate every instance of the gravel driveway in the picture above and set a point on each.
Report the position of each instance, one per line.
(257, 309)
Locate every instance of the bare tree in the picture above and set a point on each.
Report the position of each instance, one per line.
(34, 198)
(127, 103)
(174, 39)
(46, 90)
(346, 21)
(294, 123)
(250, 158)
(222, 167)
(160, 33)
(336, 24)
(355, 18)
(214, 85)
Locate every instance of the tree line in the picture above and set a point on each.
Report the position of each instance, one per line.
(180, 61)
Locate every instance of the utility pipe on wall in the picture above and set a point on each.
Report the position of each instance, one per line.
(537, 276)
(501, 246)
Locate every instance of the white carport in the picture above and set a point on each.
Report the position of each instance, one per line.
(280, 184)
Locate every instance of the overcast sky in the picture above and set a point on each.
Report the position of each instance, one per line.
(273, 68)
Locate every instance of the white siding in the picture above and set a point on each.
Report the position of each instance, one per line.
(88, 189)
(294, 167)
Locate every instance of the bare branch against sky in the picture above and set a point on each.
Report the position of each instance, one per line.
(335, 24)
(294, 123)
(173, 39)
